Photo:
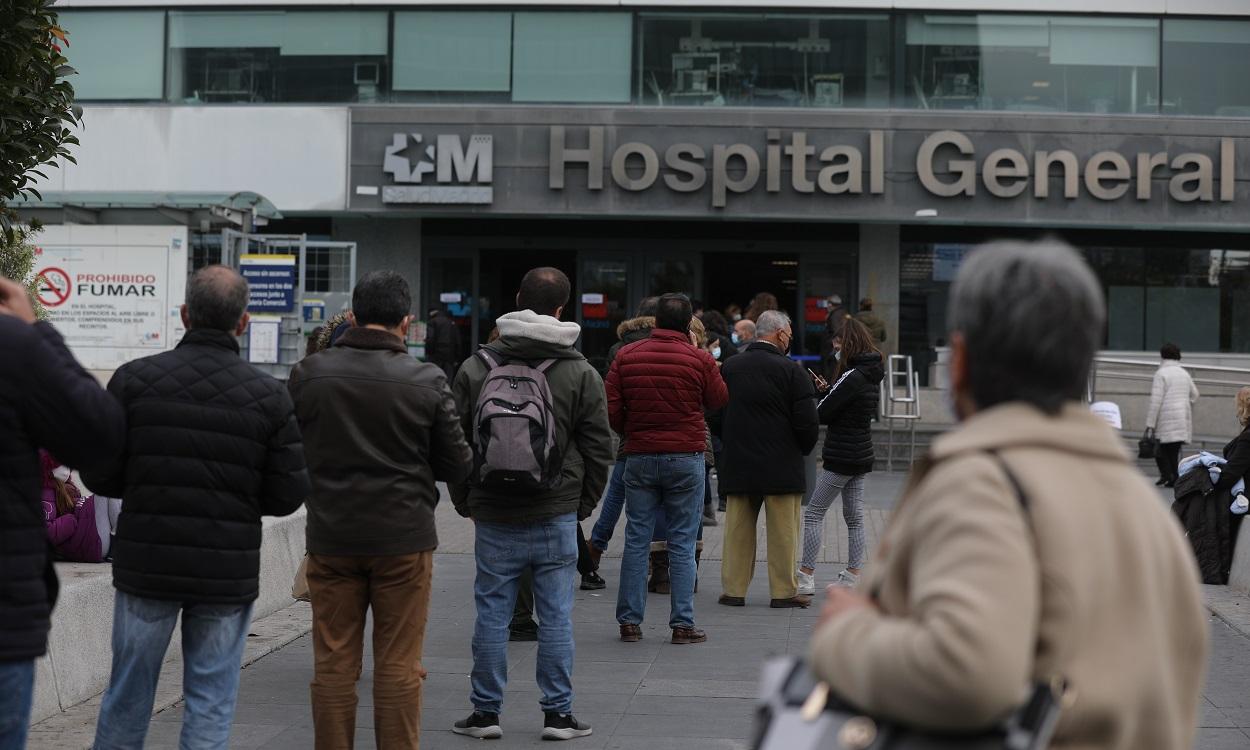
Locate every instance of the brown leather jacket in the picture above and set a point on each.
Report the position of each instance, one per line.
(380, 428)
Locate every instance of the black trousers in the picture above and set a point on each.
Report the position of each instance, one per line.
(1168, 459)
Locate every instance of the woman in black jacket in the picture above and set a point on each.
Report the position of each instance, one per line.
(1237, 452)
(847, 407)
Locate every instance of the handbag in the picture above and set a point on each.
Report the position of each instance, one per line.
(299, 586)
(798, 712)
(1148, 446)
(801, 714)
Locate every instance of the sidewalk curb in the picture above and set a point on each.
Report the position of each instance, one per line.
(74, 728)
(1230, 606)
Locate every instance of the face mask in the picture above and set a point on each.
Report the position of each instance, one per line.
(61, 473)
(789, 343)
(715, 352)
(837, 356)
(735, 338)
(737, 317)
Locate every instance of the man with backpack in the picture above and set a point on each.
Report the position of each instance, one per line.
(380, 428)
(537, 417)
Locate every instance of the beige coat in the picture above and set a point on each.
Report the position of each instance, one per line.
(966, 622)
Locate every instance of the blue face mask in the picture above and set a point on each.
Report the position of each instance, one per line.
(716, 352)
(735, 338)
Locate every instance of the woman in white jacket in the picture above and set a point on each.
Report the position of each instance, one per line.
(1172, 397)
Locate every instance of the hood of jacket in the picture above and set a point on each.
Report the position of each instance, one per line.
(869, 363)
(525, 334)
(635, 329)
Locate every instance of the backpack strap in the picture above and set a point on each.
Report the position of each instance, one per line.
(488, 356)
(545, 365)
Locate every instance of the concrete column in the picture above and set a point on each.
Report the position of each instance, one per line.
(878, 274)
(384, 244)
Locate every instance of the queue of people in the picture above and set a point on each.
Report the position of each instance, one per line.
(993, 574)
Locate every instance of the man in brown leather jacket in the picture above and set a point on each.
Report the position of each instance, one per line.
(380, 428)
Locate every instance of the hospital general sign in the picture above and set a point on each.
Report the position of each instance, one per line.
(458, 169)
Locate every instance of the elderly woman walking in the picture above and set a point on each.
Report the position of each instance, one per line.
(1170, 416)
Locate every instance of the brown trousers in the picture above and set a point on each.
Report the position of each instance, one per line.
(343, 589)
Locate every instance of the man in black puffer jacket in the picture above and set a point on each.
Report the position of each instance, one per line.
(46, 401)
(212, 445)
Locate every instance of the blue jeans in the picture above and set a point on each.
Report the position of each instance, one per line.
(504, 551)
(674, 482)
(613, 504)
(212, 653)
(17, 687)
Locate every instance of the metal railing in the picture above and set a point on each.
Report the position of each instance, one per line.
(900, 400)
(1196, 372)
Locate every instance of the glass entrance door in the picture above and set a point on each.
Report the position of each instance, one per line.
(603, 302)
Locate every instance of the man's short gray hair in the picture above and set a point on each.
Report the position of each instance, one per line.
(1031, 315)
(771, 321)
(216, 298)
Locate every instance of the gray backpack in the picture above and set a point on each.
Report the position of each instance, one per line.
(514, 428)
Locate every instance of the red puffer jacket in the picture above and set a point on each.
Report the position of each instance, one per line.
(658, 389)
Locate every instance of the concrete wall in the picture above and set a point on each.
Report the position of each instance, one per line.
(392, 244)
(878, 275)
(79, 657)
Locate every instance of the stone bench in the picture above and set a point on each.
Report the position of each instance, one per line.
(79, 657)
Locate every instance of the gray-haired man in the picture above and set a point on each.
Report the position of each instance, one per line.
(770, 424)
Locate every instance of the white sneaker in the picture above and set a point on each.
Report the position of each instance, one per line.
(846, 579)
(807, 583)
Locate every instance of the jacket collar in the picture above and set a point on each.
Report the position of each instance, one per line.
(371, 338)
(1016, 425)
(639, 325)
(764, 346)
(667, 335)
(210, 337)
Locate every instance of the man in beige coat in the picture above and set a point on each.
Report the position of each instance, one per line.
(972, 597)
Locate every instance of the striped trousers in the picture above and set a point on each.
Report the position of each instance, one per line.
(828, 486)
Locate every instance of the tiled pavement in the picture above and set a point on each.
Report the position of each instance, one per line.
(649, 695)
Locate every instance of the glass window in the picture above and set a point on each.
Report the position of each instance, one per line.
(1204, 66)
(1031, 63)
(438, 52)
(571, 57)
(276, 56)
(759, 60)
(119, 54)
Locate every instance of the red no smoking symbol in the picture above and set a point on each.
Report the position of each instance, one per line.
(53, 287)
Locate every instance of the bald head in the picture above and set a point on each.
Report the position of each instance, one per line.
(216, 299)
(745, 330)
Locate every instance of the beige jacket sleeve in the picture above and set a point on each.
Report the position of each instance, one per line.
(961, 562)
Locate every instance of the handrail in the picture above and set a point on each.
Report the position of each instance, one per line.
(1155, 364)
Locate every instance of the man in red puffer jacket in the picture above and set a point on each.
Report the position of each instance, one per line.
(658, 389)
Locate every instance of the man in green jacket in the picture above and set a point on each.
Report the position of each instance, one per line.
(536, 531)
(871, 320)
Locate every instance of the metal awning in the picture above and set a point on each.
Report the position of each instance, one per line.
(232, 206)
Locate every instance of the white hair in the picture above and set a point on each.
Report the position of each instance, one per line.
(771, 321)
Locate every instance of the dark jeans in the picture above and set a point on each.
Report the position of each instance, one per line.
(1168, 459)
(17, 687)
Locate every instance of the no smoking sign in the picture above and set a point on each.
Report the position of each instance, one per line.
(53, 287)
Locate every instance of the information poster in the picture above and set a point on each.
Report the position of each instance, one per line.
(113, 292)
(271, 282)
(264, 332)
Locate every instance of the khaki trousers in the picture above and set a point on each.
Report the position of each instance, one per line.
(783, 523)
(343, 589)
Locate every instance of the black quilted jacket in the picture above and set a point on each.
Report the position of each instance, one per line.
(848, 408)
(46, 400)
(212, 445)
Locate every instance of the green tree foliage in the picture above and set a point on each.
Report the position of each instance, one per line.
(17, 259)
(36, 102)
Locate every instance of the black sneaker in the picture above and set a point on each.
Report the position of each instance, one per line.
(480, 725)
(563, 727)
(592, 581)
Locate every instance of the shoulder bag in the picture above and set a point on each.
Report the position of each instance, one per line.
(798, 712)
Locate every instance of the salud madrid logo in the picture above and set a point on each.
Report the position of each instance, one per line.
(443, 171)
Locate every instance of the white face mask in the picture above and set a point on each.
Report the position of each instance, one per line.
(737, 317)
(715, 352)
(62, 473)
(837, 355)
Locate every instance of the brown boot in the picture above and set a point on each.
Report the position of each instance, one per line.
(659, 583)
(684, 635)
(631, 633)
